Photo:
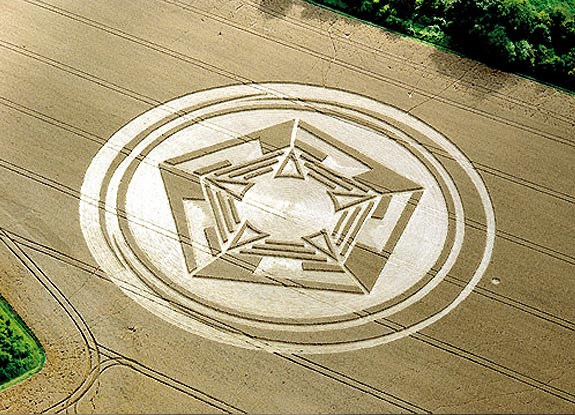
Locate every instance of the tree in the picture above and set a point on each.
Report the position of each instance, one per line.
(562, 28)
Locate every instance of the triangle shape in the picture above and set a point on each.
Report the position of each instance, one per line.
(236, 188)
(343, 200)
(322, 242)
(290, 167)
(246, 235)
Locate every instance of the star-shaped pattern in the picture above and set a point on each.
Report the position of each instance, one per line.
(290, 162)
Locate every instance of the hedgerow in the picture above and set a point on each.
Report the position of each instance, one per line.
(532, 37)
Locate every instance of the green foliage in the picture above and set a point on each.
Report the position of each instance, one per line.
(19, 351)
(432, 33)
(514, 35)
(533, 37)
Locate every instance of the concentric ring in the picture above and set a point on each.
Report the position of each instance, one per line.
(103, 214)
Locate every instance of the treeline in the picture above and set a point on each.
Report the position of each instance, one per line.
(17, 354)
(535, 38)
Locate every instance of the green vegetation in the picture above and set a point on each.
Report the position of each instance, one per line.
(21, 355)
(531, 37)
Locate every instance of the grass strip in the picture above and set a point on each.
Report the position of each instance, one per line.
(21, 355)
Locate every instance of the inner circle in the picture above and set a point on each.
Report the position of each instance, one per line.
(287, 208)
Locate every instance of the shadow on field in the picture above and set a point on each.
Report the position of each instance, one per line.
(478, 79)
(310, 13)
(274, 9)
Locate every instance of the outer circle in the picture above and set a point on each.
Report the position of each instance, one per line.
(113, 262)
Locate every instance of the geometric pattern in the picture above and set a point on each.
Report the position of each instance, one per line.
(368, 208)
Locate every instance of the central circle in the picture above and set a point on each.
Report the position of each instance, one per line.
(287, 208)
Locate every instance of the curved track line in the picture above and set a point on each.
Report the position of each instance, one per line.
(351, 382)
(434, 342)
(117, 359)
(331, 374)
(70, 310)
